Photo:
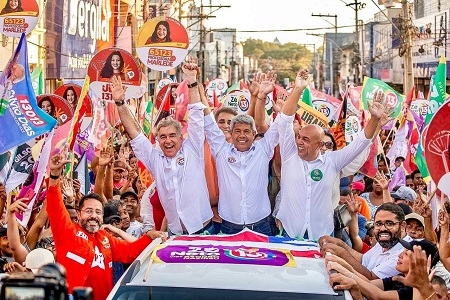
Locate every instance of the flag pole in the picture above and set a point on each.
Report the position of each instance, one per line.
(154, 103)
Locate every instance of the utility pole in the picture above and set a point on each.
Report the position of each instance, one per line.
(357, 58)
(408, 74)
(333, 68)
(201, 56)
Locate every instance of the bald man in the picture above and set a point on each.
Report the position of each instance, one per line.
(307, 176)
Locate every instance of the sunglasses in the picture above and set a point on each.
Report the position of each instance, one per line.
(328, 145)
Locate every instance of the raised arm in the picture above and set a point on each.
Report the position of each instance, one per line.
(12, 231)
(353, 229)
(36, 229)
(118, 95)
(301, 82)
(266, 87)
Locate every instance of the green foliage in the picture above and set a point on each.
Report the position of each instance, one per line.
(285, 59)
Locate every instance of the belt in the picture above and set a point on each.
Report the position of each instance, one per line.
(249, 226)
(201, 230)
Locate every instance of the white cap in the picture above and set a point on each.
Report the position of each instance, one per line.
(38, 258)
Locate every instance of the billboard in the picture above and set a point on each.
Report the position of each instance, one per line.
(88, 28)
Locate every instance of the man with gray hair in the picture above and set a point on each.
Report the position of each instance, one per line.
(242, 169)
(179, 166)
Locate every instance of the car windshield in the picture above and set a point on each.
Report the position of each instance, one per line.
(159, 293)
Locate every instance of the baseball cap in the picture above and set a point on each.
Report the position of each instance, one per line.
(110, 212)
(358, 177)
(429, 248)
(129, 192)
(359, 186)
(406, 193)
(119, 165)
(344, 183)
(415, 216)
(38, 258)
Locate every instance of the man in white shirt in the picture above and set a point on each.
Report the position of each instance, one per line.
(306, 207)
(381, 259)
(178, 166)
(242, 169)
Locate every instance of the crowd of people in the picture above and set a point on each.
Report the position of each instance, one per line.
(233, 172)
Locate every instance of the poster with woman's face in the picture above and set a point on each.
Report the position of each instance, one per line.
(18, 16)
(162, 43)
(71, 93)
(56, 107)
(352, 127)
(170, 91)
(114, 62)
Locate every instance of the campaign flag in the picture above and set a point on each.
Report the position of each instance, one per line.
(39, 170)
(23, 119)
(147, 118)
(406, 107)
(37, 80)
(437, 98)
(99, 134)
(21, 167)
(306, 97)
(369, 168)
(309, 115)
(393, 99)
(80, 112)
(83, 174)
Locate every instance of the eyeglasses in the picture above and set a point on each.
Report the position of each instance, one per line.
(90, 211)
(387, 224)
(328, 145)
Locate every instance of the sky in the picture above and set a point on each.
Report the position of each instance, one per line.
(287, 14)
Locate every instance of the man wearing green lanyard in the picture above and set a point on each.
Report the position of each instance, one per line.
(306, 208)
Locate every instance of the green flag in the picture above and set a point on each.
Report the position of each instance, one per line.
(147, 118)
(37, 80)
(393, 99)
(306, 97)
(437, 98)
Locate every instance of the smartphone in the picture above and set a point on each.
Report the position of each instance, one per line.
(75, 175)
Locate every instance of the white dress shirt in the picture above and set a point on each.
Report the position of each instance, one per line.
(180, 180)
(307, 204)
(382, 263)
(242, 176)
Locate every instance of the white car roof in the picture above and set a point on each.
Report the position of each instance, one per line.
(308, 276)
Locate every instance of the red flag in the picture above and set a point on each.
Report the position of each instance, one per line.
(80, 112)
(370, 166)
(406, 106)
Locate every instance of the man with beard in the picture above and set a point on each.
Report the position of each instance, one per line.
(380, 261)
(85, 250)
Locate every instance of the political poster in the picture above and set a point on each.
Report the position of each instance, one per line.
(352, 127)
(392, 99)
(238, 100)
(223, 255)
(437, 144)
(219, 86)
(23, 119)
(114, 62)
(71, 93)
(18, 16)
(162, 83)
(309, 115)
(162, 43)
(420, 107)
(56, 107)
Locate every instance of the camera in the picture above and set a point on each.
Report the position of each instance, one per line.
(48, 283)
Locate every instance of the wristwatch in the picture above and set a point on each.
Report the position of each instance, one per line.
(194, 84)
(120, 102)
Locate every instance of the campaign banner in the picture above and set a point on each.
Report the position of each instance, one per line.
(437, 143)
(309, 115)
(325, 103)
(392, 99)
(223, 255)
(71, 94)
(219, 86)
(169, 91)
(114, 62)
(238, 100)
(56, 107)
(23, 119)
(18, 16)
(352, 127)
(162, 43)
(420, 107)
(162, 83)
